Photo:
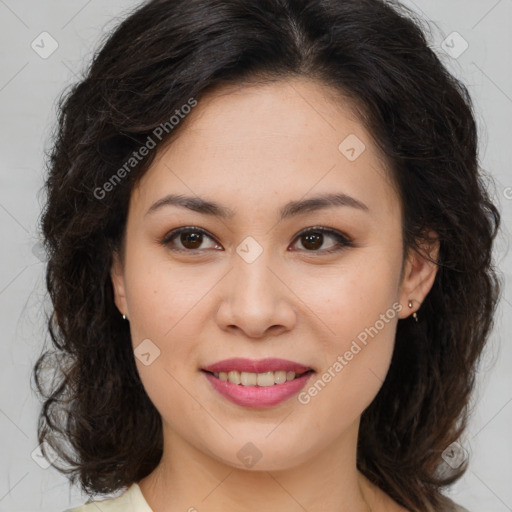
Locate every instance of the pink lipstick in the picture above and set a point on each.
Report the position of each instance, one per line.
(289, 379)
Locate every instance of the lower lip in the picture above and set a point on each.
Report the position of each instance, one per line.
(258, 397)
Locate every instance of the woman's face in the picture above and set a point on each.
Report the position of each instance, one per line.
(282, 162)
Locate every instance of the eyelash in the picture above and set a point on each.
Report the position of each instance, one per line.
(343, 241)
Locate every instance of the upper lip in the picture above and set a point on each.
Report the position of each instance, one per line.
(256, 366)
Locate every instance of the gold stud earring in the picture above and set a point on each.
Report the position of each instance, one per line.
(414, 315)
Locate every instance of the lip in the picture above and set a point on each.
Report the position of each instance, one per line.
(270, 364)
(258, 397)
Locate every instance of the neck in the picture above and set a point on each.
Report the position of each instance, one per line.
(328, 481)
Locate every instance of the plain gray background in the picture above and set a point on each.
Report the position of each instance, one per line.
(29, 88)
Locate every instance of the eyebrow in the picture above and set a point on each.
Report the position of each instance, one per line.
(291, 209)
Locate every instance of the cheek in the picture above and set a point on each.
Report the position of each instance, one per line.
(167, 314)
(162, 297)
(360, 308)
(163, 309)
(351, 297)
(356, 362)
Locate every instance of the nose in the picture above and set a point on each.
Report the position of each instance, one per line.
(256, 300)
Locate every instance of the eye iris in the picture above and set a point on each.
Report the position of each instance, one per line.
(193, 239)
(313, 240)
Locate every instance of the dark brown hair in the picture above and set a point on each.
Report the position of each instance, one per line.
(96, 414)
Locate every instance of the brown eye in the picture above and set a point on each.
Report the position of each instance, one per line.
(187, 239)
(313, 239)
(191, 240)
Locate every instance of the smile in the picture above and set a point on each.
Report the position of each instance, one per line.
(257, 391)
(258, 379)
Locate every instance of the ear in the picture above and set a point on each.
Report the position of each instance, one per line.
(117, 277)
(419, 274)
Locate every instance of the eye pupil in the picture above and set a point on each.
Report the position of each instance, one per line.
(192, 238)
(313, 240)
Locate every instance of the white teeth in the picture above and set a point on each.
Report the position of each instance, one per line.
(249, 379)
(280, 377)
(264, 379)
(259, 379)
(234, 377)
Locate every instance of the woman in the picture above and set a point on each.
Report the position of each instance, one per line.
(270, 262)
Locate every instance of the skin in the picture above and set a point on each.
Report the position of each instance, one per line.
(253, 149)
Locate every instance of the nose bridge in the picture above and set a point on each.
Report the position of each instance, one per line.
(254, 299)
(252, 278)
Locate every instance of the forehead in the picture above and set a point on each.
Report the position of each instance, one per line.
(236, 116)
(277, 139)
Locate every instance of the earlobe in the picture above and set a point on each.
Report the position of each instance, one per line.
(117, 278)
(419, 275)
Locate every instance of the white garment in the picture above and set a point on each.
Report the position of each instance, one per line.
(132, 500)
